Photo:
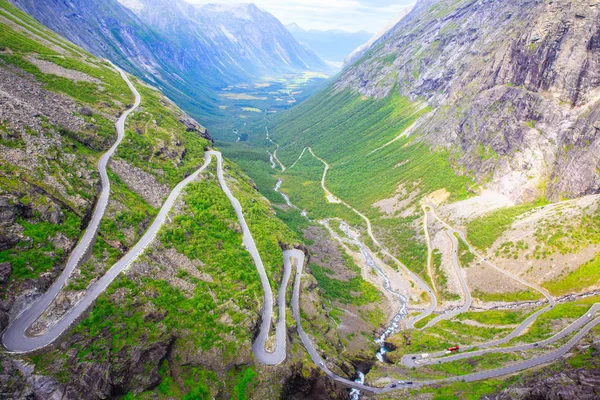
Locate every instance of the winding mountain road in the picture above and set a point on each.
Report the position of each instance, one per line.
(459, 272)
(420, 282)
(258, 348)
(580, 327)
(14, 337)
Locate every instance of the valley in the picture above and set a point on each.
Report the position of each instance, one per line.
(400, 378)
(422, 224)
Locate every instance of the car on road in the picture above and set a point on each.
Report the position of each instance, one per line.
(413, 358)
(536, 344)
(321, 363)
(393, 385)
(454, 348)
(409, 382)
(590, 315)
(401, 382)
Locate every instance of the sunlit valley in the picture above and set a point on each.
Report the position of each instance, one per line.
(299, 200)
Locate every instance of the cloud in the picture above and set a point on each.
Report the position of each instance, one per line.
(349, 15)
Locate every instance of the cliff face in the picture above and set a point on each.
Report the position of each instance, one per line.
(514, 86)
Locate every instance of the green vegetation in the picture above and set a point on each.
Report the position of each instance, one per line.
(512, 250)
(585, 276)
(464, 253)
(587, 359)
(355, 291)
(485, 230)
(524, 295)
(421, 323)
(441, 336)
(203, 232)
(303, 185)
(157, 142)
(38, 253)
(400, 236)
(135, 214)
(486, 152)
(244, 382)
(344, 128)
(566, 233)
(103, 255)
(87, 92)
(441, 279)
(494, 317)
(254, 162)
(294, 220)
(264, 225)
(474, 364)
(548, 323)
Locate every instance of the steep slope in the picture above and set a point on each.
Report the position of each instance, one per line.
(455, 105)
(515, 98)
(488, 111)
(332, 45)
(181, 320)
(256, 40)
(190, 53)
(514, 101)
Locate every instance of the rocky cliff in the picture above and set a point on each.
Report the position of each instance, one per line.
(513, 86)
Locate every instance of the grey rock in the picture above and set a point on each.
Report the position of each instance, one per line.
(566, 384)
(10, 231)
(8, 212)
(5, 271)
(18, 380)
(517, 78)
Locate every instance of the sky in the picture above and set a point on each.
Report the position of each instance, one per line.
(348, 15)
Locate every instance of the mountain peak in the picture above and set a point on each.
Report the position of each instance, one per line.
(294, 27)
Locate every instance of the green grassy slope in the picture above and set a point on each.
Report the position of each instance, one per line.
(182, 334)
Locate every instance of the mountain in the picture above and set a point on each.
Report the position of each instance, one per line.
(188, 52)
(248, 38)
(470, 129)
(444, 186)
(359, 51)
(513, 101)
(331, 45)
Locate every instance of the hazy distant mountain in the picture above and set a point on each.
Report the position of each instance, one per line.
(382, 34)
(243, 38)
(331, 45)
(187, 51)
